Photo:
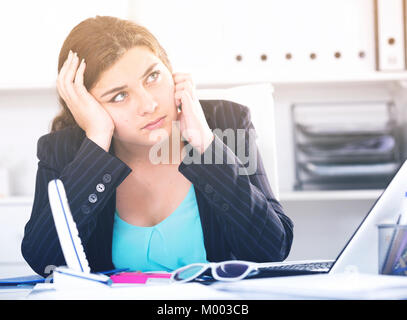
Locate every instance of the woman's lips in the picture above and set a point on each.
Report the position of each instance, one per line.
(158, 123)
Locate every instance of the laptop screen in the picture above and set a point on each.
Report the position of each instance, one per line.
(361, 251)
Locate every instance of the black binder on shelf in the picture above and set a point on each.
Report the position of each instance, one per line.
(352, 145)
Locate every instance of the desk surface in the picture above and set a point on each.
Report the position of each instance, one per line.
(322, 286)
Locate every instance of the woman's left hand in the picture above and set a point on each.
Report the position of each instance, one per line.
(193, 125)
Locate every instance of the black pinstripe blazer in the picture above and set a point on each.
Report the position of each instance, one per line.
(240, 217)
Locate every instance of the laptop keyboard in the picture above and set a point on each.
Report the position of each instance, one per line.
(296, 269)
(313, 266)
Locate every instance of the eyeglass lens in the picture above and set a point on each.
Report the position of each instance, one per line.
(188, 273)
(231, 270)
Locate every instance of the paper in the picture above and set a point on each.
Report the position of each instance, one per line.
(14, 292)
(184, 291)
(350, 285)
(322, 286)
(140, 277)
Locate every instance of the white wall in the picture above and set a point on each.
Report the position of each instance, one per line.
(24, 117)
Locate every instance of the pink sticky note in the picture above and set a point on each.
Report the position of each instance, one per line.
(137, 277)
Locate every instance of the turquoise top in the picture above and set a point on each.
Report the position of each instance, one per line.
(174, 242)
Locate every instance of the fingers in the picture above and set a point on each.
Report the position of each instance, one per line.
(62, 82)
(71, 70)
(61, 76)
(79, 76)
(70, 78)
(185, 98)
(185, 85)
(181, 95)
(177, 96)
(183, 82)
(65, 65)
(181, 77)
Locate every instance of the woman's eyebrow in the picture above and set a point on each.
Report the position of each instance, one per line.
(148, 70)
(125, 86)
(113, 90)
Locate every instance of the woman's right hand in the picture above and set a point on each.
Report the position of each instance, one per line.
(86, 110)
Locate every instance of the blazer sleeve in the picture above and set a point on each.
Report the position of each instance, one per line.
(253, 221)
(91, 166)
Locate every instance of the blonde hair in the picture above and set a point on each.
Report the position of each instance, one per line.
(102, 41)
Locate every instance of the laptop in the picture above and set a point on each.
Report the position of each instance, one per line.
(361, 251)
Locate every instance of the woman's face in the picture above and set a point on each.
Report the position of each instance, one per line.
(135, 91)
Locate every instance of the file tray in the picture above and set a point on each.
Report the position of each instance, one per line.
(339, 177)
(353, 170)
(345, 145)
(342, 183)
(328, 118)
(338, 129)
(368, 150)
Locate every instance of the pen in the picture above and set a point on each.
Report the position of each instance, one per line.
(398, 240)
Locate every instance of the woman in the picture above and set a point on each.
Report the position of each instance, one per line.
(114, 79)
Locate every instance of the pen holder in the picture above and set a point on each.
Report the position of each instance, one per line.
(392, 249)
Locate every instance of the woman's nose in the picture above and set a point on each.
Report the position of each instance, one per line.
(146, 104)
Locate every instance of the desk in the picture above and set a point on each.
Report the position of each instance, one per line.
(353, 286)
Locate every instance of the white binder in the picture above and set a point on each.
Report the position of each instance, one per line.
(78, 272)
(390, 55)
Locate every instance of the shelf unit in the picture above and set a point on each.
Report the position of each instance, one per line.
(241, 78)
(330, 195)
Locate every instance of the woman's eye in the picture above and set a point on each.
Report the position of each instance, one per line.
(115, 98)
(122, 95)
(154, 75)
